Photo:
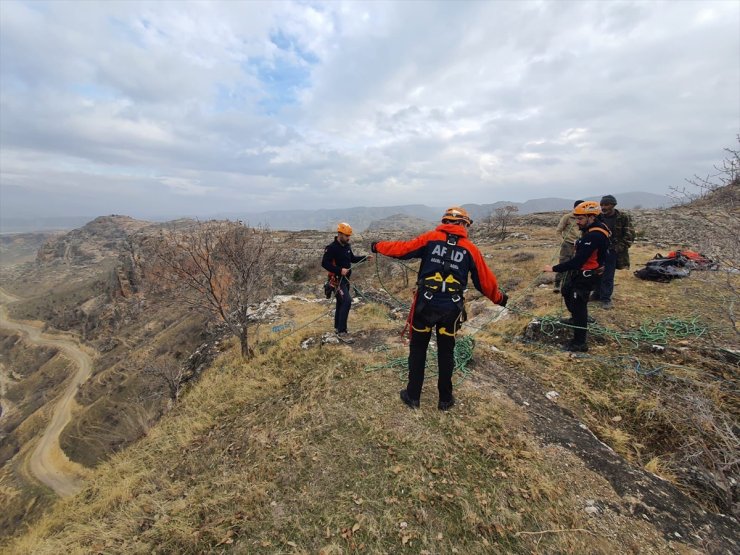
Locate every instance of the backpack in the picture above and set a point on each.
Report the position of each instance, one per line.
(664, 269)
(694, 260)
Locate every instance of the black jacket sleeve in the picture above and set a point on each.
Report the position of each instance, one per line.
(589, 243)
(356, 259)
(327, 261)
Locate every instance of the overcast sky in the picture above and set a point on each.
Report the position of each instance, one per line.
(192, 108)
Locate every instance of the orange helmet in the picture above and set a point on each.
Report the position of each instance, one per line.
(344, 228)
(455, 214)
(588, 208)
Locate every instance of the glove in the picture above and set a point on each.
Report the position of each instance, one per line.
(374, 246)
(505, 298)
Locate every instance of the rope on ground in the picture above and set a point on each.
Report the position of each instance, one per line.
(464, 348)
(651, 332)
(319, 317)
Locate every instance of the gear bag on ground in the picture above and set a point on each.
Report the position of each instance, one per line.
(678, 264)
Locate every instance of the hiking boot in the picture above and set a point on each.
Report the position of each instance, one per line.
(345, 337)
(414, 404)
(446, 405)
(607, 305)
(575, 347)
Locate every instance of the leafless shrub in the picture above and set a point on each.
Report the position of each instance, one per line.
(718, 188)
(219, 268)
(707, 447)
(389, 269)
(715, 199)
(500, 219)
(167, 373)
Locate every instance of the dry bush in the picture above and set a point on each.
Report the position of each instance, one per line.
(168, 373)
(500, 219)
(523, 257)
(715, 198)
(219, 268)
(693, 429)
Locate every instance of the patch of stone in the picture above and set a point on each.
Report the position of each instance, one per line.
(645, 495)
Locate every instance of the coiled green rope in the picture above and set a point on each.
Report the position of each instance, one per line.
(463, 354)
(653, 332)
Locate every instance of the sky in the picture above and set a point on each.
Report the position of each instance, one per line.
(158, 109)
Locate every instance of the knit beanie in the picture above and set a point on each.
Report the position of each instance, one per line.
(608, 199)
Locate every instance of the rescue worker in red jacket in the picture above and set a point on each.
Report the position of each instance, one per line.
(583, 270)
(447, 257)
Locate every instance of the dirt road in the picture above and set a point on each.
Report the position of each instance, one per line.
(47, 462)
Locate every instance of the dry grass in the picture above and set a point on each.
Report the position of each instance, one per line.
(646, 418)
(305, 451)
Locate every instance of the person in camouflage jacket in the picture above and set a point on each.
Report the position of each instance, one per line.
(623, 235)
(624, 230)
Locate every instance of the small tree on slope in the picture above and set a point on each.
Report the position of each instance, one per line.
(220, 268)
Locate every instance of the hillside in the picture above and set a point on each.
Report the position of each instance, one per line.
(307, 448)
(361, 217)
(399, 223)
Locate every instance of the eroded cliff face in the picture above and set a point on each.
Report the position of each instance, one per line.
(101, 238)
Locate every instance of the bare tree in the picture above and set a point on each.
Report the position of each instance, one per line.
(220, 268)
(721, 185)
(169, 373)
(714, 200)
(500, 219)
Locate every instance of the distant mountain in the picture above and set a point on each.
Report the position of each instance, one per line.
(103, 237)
(401, 222)
(625, 201)
(361, 217)
(637, 199)
(21, 247)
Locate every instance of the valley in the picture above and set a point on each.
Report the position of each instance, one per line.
(307, 444)
(47, 462)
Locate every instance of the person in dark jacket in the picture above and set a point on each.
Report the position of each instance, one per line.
(583, 270)
(570, 232)
(618, 257)
(337, 260)
(447, 258)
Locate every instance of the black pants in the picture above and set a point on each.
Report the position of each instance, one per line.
(576, 290)
(446, 321)
(344, 303)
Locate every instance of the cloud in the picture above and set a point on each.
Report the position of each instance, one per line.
(161, 107)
